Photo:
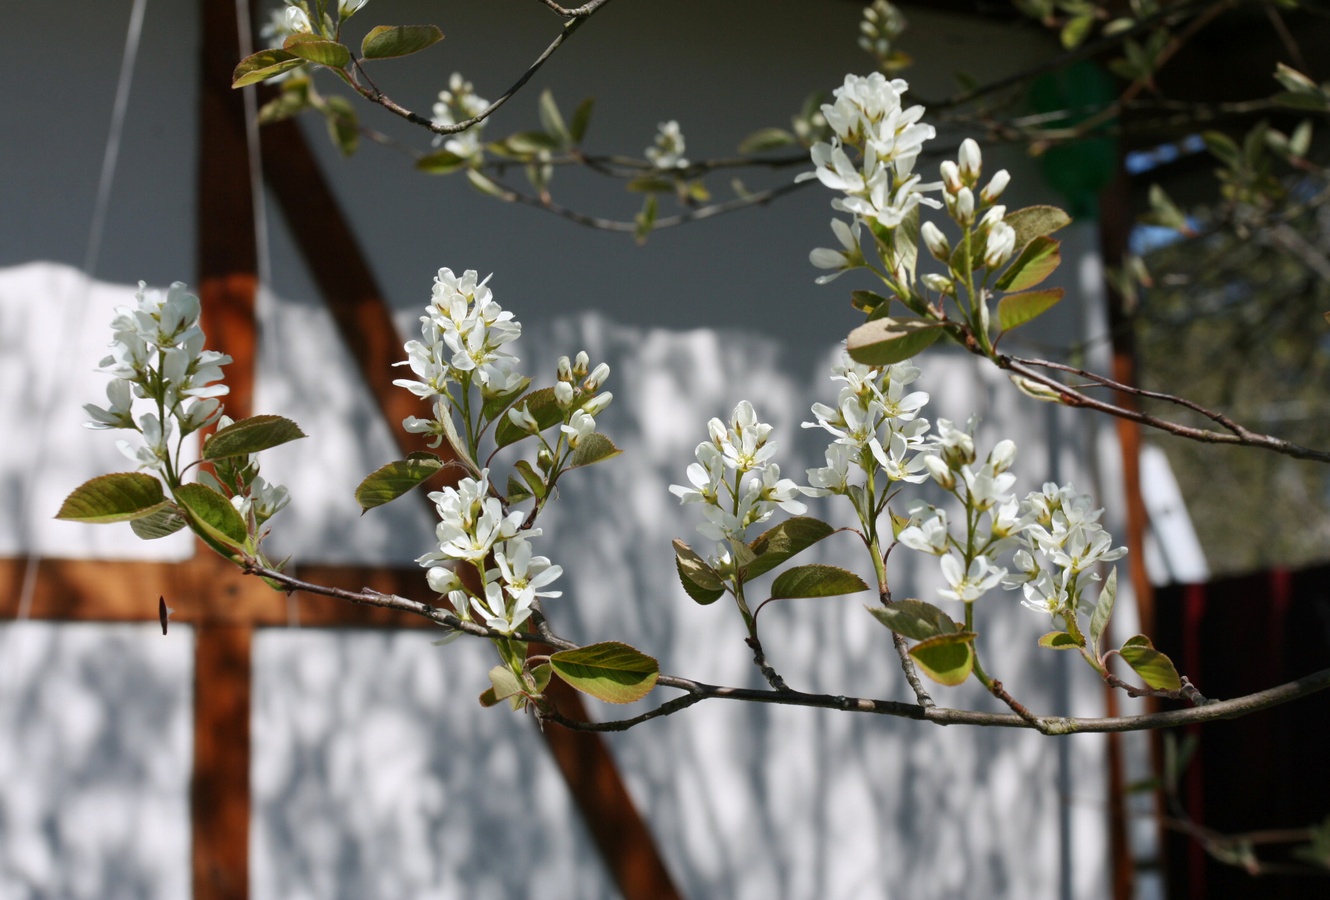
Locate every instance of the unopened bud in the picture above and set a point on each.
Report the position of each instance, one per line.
(596, 405)
(580, 364)
(996, 186)
(565, 369)
(963, 207)
(563, 394)
(951, 176)
(940, 472)
(970, 162)
(1001, 245)
(939, 283)
(936, 241)
(1002, 456)
(597, 377)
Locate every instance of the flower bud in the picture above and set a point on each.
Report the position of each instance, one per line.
(936, 241)
(565, 369)
(563, 394)
(996, 186)
(1002, 456)
(544, 461)
(970, 162)
(963, 207)
(596, 405)
(442, 580)
(522, 418)
(1001, 245)
(951, 176)
(580, 364)
(939, 283)
(597, 378)
(940, 472)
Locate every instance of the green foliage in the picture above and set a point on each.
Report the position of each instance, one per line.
(392, 41)
(1059, 640)
(1155, 669)
(264, 65)
(815, 581)
(1103, 610)
(391, 481)
(543, 408)
(213, 518)
(781, 542)
(703, 583)
(948, 659)
(886, 341)
(1016, 309)
(914, 619)
(250, 436)
(120, 497)
(317, 50)
(1037, 261)
(593, 448)
(610, 671)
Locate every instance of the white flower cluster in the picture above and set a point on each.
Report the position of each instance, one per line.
(457, 104)
(1063, 540)
(867, 116)
(157, 354)
(667, 152)
(576, 392)
(876, 424)
(472, 525)
(729, 503)
(1056, 529)
(463, 334)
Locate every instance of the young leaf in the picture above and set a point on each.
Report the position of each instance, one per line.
(699, 580)
(1058, 640)
(947, 658)
(1016, 309)
(765, 139)
(120, 497)
(396, 478)
(914, 619)
(1155, 669)
(250, 436)
(1036, 262)
(543, 408)
(264, 65)
(504, 683)
(886, 341)
(815, 581)
(214, 519)
(390, 41)
(611, 671)
(532, 484)
(593, 448)
(317, 50)
(1034, 221)
(577, 125)
(160, 524)
(775, 545)
(441, 162)
(1103, 610)
(552, 120)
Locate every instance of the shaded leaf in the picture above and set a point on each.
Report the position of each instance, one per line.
(391, 41)
(504, 683)
(1037, 261)
(577, 125)
(1103, 610)
(119, 497)
(343, 129)
(1015, 310)
(593, 448)
(441, 162)
(250, 436)
(765, 139)
(777, 544)
(914, 619)
(543, 408)
(316, 49)
(867, 301)
(1059, 640)
(1155, 669)
(611, 671)
(552, 120)
(1034, 221)
(162, 523)
(391, 481)
(497, 405)
(947, 659)
(213, 517)
(699, 580)
(886, 341)
(264, 65)
(815, 580)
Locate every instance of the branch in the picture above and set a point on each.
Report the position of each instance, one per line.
(1237, 434)
(697, 691)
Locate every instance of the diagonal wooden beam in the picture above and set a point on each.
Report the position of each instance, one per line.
(339, 267)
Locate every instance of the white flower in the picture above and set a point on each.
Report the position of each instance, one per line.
(928, 536)
(833, 478)
(705, 475)
(156, 438)
(118, 414)
(458, 104)
(1000, 246)
(524, 575)
(969, 584)
(848, 257)
(667, 153)
(579, 426)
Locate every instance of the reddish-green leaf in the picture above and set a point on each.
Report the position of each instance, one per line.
(886, 341)
(250, 436)
(613, 672)
(264, 65)
(699, 580)
(1033, 221)
(1036, 262)
(317, 50)
(213, 517)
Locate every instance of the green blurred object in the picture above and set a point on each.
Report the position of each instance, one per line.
(1079, 169)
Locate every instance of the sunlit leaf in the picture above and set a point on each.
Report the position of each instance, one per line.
(780, 542)
(611, 671)
(120, 497)
(1155, 668)
(914, 619)
(1103, 609)
(317, 50)
(264, 65)
(1015, 310)
(948, 659)
(1037, 261)
(816, 580)
(1059, 640)
(395, 479)
(250, 436)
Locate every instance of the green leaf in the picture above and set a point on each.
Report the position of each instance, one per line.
(160, 524)
(777, 544)
(552, 120)
(947, 658)
(1155, 669)
(1036, 262)
(485, 184)
(577, 126)
(815, 580)
(532, 483)
(1016, 309)
(765, 139)
(499, 404)
(343, 129)
(867, 301)
(283, 106)
(120, 497)
(611, 671)
(1223, 148)
(702, 582)
(391, 41)
(543, 408)
(250, 436)
(914, 619)
(1163, 211)
(593, 448)
(441, 162)
(264, 65)
(886, 341)
(1103, 610)
(213, 517)
(1059, 640)
(1076, 30)
(488, 698)
(1035, 221)
(389, 482)
(504, 683)
(316, 49)
(517, 491)
(646, 219)
(524, 144)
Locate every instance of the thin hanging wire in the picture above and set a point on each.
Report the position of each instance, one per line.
(75, 310)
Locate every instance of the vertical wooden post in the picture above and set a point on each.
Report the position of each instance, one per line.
(227, 259)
